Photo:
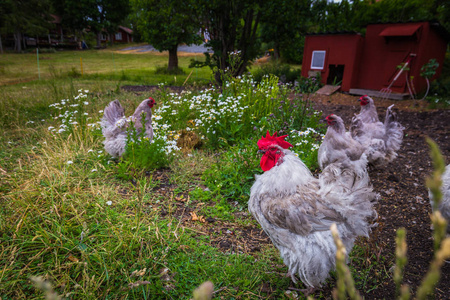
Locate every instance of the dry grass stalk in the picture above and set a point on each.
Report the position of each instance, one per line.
(345, 282)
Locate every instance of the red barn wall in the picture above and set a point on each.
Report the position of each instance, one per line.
(341, 49)
(370, 63)
(382, 55)
(432, 46)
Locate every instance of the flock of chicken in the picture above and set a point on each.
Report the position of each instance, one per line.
(293, 207)
(296, 209)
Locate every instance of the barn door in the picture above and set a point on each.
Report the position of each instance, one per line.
(394, 59)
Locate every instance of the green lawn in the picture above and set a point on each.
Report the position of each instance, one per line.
(108, 63)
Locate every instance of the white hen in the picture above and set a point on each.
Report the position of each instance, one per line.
(444, 206)
(381, 141)
(114, 125)
(338, 146)
(296, 209)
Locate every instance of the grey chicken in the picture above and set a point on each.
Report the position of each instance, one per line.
(114, 125)
(296, 209)
(444, 206)
(380, 140)
(338, 146)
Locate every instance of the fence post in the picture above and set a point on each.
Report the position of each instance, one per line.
(39, 70)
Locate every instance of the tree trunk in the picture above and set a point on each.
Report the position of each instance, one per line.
(17, 41)
(173, 58)
(276, 53)
(111, 39)
(99, 39)
(1, 45)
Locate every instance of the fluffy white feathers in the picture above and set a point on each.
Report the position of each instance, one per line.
(296, 210)
(114, 125)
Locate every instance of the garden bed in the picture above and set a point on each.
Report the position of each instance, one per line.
(404, 198)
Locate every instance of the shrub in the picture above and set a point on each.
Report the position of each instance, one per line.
(283, 71)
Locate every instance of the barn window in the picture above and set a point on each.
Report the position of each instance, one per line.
(318, 60)
(119, 36)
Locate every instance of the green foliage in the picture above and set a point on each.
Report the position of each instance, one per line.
(234, 173)
(142, 156)
(283, 24)
(428, 70)
(282, 71)
(309, 84)
(30, 17)
(167, 24)
(94, 14)
(233, 27)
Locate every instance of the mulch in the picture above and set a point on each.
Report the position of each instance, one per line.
(404, 198)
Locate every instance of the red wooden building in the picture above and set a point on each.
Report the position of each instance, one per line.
(366, 65)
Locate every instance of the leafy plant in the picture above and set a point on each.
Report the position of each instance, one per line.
(142, 154)
(309, 84)
(282, 71)
(234, 173)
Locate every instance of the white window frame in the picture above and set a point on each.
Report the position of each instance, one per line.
(118, 36)
(316, 67)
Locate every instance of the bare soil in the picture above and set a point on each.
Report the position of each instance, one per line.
(401, 184)
(404, 199)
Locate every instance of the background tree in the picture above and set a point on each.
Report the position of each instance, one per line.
(31, 17)
(95, 15)
(232, 27)
(165, 24)
(5, 9)
(283, 25)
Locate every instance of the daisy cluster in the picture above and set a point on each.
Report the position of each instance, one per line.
(213, 115)
(72, 113)
(306, 141)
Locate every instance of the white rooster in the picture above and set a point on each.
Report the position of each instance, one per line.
(114, 125)
(339, 146)
(296, 209)
(381, 140)
(444, 206)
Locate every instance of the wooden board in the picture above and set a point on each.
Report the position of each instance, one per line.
(328, 89)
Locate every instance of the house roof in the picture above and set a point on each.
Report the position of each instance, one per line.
(401, 30)
(126, 29)
(333, 33)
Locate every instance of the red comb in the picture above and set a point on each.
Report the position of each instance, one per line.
(267, 141)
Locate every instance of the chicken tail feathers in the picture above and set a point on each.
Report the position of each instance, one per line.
(394, 131)
(351, 195)
(113, 112)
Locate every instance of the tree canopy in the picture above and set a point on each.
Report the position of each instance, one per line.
(165, 24)
(95, 15)
(21, 17)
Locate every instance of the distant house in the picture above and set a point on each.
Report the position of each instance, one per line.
(122, 35)
(365, 65)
